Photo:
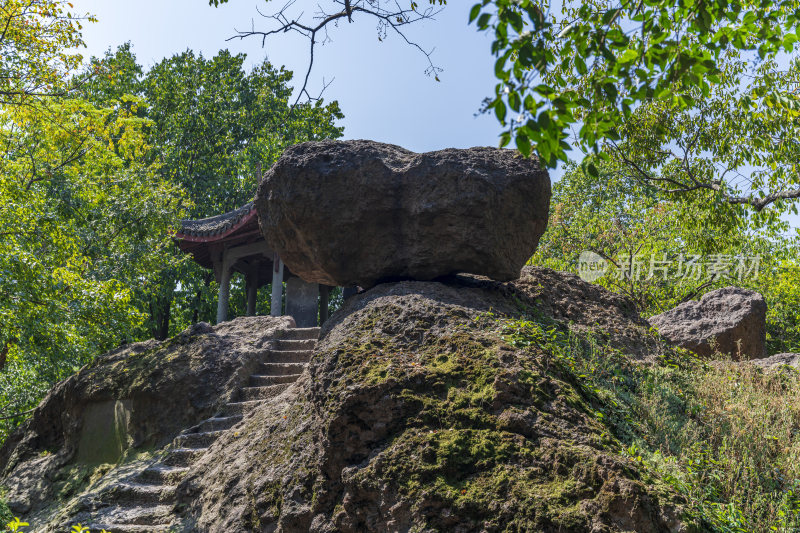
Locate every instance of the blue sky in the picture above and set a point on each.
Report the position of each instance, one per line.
(381, 86)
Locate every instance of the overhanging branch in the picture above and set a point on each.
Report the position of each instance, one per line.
(388, 13)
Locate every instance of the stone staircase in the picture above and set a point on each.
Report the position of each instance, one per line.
(146, 501)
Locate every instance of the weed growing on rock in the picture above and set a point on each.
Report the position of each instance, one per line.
(5, 512)
(726, 436)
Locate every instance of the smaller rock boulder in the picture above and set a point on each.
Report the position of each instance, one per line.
(780, 360)
(730, 321)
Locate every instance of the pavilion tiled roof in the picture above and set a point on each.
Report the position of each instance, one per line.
(216, 225)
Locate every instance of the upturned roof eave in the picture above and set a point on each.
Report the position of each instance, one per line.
(182, 235)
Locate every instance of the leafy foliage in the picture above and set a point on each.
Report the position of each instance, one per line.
(36, 37)
(737, 143)
(83, 220)
(93, 177)
(215, 126)
(595, 62)
(640, 235)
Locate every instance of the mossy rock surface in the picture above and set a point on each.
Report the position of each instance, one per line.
(418, 414)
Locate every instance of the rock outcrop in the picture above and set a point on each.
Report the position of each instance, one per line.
(417, 415)
(729, 321)
(355, 213)
(133, 400)
(423, 408)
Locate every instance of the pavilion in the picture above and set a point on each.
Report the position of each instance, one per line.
(232, 243)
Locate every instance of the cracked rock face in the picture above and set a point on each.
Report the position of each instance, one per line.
(356, 213)
(730, 321)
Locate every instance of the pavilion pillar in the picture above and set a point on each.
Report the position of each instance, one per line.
(276, 307)
(302, 302)
(224, 292)
(347, 292)
(252, 291)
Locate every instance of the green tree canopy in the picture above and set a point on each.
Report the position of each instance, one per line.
(83, 219)
(37, 43)
(592, 63)
(661, 252)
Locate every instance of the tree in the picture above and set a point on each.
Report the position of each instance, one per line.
(215, 123)
(596, 61)
(686, 97)
(738, 143)
(36, 39)
(660, 253)
(83, 219)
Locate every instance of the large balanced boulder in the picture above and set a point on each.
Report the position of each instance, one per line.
(357, 213)
(729, 321)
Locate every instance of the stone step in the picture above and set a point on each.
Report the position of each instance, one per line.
(295, 344)
(162, 474)
(279, 369)
(183, 457)
(135, 515)
(289, 356)
(141, 493)
(301, 334)
(216, 424)
(264, 381)
(262, 393)
(241, 408)
(201, 439)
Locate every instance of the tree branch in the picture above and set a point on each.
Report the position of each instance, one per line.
(388, 16)
(17, 415)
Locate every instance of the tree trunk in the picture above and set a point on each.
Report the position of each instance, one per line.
(161, 307)
(4, 356)
(163, 326)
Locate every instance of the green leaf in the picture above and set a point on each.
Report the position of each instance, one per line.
(580, 65)
(499, 67)
(628, 56)
(500, 111)
(474, 12)
(523, 144)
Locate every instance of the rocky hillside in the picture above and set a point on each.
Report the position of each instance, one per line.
(427, 406)
(120, 414)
